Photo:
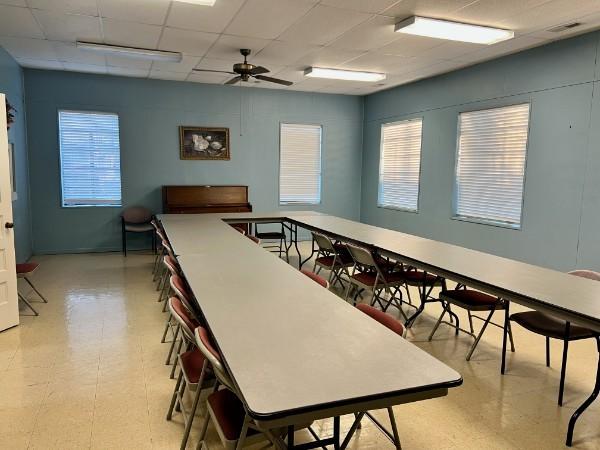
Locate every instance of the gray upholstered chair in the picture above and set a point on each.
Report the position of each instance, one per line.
(136, 219)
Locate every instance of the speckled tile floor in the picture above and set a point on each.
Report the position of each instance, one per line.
(89, 372)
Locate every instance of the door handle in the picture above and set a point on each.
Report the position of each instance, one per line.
(9, 225)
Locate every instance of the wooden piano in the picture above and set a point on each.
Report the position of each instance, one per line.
(205, 199)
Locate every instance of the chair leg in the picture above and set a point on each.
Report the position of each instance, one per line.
(243, 433)
(478, 338)
(192, 412)
(205, 423)
(172, 375)
(547, 351)
(124, 240)
(173, 343)
(174, 397)
(437, 324)
(24, 300)
(167, 326)
(36, 291)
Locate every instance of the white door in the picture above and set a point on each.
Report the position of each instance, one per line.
(9, 305)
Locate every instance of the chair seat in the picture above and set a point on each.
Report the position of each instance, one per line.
(470, 299)
(383, 318)
(139, 227)
(191, 364)
(418, 277)
(271, 235)
(547, 325)
(368, 278)
(24, 269)
(327, 261)
(229, 413)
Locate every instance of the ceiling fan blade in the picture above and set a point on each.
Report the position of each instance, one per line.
(213, 71)
(258, 70)
(234, 80)
(273, 80)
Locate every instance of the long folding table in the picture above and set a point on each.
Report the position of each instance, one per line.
(572, 298)
(295, 351)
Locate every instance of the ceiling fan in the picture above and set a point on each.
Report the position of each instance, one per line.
(246, 70)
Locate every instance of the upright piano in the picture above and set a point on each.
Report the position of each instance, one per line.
(205, 199)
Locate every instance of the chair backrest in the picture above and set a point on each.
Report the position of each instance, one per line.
(323, 242)
(383, 318)
(316, 278)
(184, 317)
(136, 214)
(171, 264)
(361, 255)
(204, 344)
(167, 248)
(181, 290)
(589, 274)
(239, 230)
(253, 239)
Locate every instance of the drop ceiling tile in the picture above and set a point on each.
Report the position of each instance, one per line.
(322, 24)
(282, 53)
(68, 27)
(86, 68)
(128, 63)
(128, 72)
(212, 19)
(166, 75)
(290, 74)
(503, 48)
(87, 7)
(186, 41)
(68, 52)
(40, 64)
(213, 78)
(14, 3)
(130, 34)
(228, 47)
(491, 12)
(451, 50)
(368, 6)
(377, 62)
(215, 64)
(18, 22)
(428, 8)
(185, 66)
(267, 19)
(153, 12)
(369, 35)
(327, 57)
(407, 45)
(29, 48)
(589, 23)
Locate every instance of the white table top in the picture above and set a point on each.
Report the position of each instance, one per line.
(291, 345)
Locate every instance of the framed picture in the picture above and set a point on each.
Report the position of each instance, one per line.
(204, 143)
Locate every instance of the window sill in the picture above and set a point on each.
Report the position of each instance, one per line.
(493, 223)
(298, 204)
(398, 208)
(91, 206)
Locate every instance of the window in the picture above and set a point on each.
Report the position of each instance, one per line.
(299, 164)
(490, 167)
(90, 159)
(400, 165)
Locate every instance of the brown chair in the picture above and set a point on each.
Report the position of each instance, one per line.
(471, 301)
(394, 325)
(552, 327)
(136, 219)
(425, 282)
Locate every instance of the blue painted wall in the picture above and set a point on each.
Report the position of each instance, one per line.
(150, 112)
(11, 84)
(561, 216)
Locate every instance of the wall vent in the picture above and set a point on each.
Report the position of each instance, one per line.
(565, 27)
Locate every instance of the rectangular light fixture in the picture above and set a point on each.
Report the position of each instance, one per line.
(454, 31)
(338, 74)
(131, 52)
(198, 2)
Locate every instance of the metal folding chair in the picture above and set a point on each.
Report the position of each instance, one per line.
(24, 270)
(332, 257)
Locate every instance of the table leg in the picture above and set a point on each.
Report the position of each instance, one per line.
(312, 253)
(586, 403)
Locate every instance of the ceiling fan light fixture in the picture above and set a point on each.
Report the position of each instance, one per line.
(131, 52)
(453, 31)
(198, 2)
(339, 74)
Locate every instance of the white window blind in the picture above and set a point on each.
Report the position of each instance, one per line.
(490, 169)
(400, 164)
(90, 158)
(300, 164)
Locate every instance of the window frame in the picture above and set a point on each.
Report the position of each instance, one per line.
(481, 220)
(301, 203)
(381, 127)
(60, 158)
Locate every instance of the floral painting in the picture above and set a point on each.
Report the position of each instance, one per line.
(203, 143)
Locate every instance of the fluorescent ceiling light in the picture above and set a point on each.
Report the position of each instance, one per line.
(454, 31)
(338, 74)
(198, 2)
(131, 52)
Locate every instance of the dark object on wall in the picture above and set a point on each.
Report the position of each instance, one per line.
(10, 117)
(136, 219)
(204, 143)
